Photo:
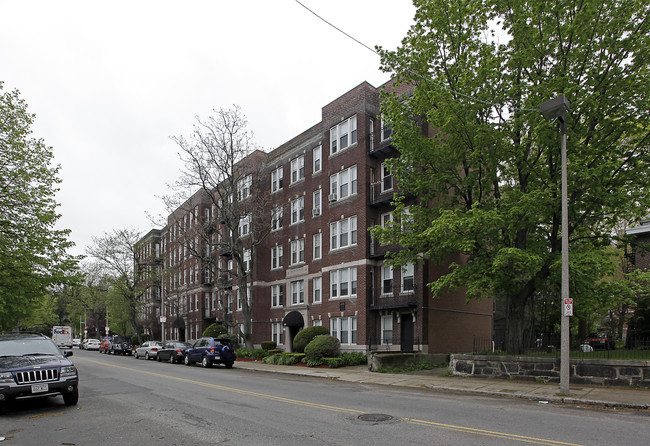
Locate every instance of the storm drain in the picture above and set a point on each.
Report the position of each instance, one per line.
(375, 417)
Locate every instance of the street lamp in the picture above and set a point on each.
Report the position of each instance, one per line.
(557, 109)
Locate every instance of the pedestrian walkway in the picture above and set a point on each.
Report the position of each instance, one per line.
(612, 397)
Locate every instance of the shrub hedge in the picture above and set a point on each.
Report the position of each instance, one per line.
(306, 335)
(322, 346)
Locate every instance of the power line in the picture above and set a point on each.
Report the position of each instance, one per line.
(410, 71)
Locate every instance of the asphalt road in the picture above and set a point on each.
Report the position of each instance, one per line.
(124, 401)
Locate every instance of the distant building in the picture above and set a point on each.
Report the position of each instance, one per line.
(319, 265)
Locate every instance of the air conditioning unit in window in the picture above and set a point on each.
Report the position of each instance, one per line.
(333, 197)
(315, 212)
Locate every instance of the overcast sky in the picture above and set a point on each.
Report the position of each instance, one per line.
(110, 82)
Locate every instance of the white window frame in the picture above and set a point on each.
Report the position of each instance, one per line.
(317, 159)
(277, 296)
(386, 279)
(277, 177)
(277, 332)
(386, 219)
(297, 169)
(387, 330)
(276, 256)
(297, 251)
(244, 227)
(276, 218)
(343, 184)
(386, 178)
(244, 187)
(298, 292)
(343, 135)
(344, 329)
(343, 280)
(408, 274)
(317, 203)
(317, 294)
(371, 134)
(317, 240)
(386, 130)
(247, 260)
(298, 210)
(343, 233)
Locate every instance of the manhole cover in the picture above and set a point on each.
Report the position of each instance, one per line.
(375, 417)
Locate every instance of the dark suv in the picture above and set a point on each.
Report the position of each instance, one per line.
(210, 351)
(121, 346)
(32, 366)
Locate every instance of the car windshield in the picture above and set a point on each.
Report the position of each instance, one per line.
(24, 347)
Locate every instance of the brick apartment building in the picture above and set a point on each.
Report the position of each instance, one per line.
(318, 265)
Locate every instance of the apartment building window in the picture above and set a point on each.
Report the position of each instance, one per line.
(244, 187)
(317, 323)
(244, 225)
(408, 284)
(343, 135)
(386, 131)
(344, 329)
(276, 332)
(276, 179)
(196, 302)
(247, 260)
(277, 295)
(387, 330)
(343, 184)
(343, 282)
(298, 292)
(343, 233)
(276, 218)
(387, 279)
(386, 219)
(317, 203)
(298, 210)
(297, 251)
(297, 169)
(276, 257)
(386, 178)
(318, 241)
(371, 134)
(317, 159)
(317, 283)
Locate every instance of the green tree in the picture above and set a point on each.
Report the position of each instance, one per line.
(33, 253)
(486, 165)
(115, 252)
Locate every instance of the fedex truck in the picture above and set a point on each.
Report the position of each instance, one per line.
(62, 336)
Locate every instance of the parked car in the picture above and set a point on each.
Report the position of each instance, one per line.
(601, 340)
(121, 346)
(148, 350)
(173, 351)
(32, 366)
(92, 344)
(76, 342)
(105, 345)
(209, 351)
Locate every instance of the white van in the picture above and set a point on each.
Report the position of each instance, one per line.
(62, 336)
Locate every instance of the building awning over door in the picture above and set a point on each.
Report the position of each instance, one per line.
(178, 323)
(293, 319)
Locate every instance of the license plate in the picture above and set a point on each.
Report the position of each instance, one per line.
(39, 388)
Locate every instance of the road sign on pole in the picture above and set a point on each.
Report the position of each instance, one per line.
(568, 307)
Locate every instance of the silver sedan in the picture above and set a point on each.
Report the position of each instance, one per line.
(148, 350)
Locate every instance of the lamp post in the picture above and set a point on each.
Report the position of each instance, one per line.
(557, 109)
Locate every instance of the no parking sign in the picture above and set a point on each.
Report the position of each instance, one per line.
(568, 307)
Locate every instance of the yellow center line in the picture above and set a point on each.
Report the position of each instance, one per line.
(483, 432)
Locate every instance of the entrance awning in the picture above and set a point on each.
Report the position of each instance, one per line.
(293, 319)
(178, 323)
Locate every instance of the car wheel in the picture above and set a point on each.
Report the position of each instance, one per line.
(228, 365)
(146, 356)
(71, 398)
(186, 360)
(171, 359)
(135, 355)
(206, 362)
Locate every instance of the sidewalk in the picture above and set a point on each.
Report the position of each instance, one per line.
(613, 397)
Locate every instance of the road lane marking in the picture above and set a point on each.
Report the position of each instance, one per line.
(464, 429)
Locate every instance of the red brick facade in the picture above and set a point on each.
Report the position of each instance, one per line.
(365, 307)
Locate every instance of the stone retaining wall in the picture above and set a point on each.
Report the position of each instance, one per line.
(582, 371)
(377, 360)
